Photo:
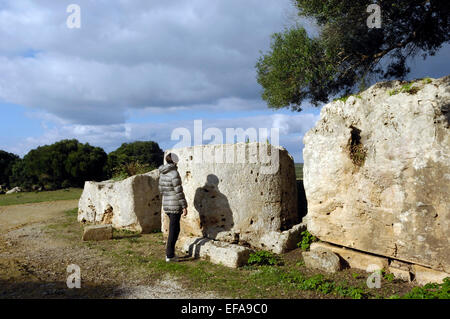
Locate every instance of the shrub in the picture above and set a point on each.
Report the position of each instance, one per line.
(306, 241)
(262, 257)
(430, 291)
(143, 152)
(126, 170)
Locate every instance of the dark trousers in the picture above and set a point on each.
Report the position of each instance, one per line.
(174, 231)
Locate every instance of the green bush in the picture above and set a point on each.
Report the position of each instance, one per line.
(307, 240)
(66, 162)
(7, 161)
(429, 291)
(262, 257)
(126, 170)
(146, 153)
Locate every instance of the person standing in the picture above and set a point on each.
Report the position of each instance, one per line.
(173, 202)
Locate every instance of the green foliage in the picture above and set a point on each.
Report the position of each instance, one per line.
(134, 157)
(292, 71)
(345, 98)
(430, 291)
(320, 284)
(356, 275)
(126, 170)
(7, 161)
(347, 53)
(63, 164)
(307, 240)
(299, 170)
(262, 257)
(406, 88)
(387, 276)
(358, 154)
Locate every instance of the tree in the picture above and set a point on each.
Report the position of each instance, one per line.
(146, 153)
(348, 54)
(7, 161)
(62, 164)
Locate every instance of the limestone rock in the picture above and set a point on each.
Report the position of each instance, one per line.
(133, 203)
(14, 191)
(97, 232)
(281, 242)
(425, 275)
(322, 259)
(400, 273)
(354, 259)
(377, 172)
(237, 195)
(226, 254)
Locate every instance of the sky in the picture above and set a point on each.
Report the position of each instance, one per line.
(139, 69)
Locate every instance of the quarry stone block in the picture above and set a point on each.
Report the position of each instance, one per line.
(400, 273)
(243, 193)
(424, 275)
(97, 232)
(377, 172)
(217, 252)
(133, 204)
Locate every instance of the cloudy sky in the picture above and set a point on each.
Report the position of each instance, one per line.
(138, 69)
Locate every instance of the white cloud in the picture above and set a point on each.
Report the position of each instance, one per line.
(131, 55)
(292, 129)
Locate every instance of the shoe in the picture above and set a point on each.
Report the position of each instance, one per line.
(171, 260)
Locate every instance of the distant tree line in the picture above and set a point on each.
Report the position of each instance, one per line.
(69, 163)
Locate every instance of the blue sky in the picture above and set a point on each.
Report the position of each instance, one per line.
(137, 69)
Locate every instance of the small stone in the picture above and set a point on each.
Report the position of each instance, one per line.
(400, 273)
(14, 191)
(322, 259)
(355, 259)
(97, 232)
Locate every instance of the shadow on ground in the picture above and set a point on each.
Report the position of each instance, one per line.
(54, 290)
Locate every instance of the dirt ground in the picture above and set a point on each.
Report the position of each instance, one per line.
(33, 262)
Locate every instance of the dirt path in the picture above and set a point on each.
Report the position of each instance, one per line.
(34, 258)
(20, 215)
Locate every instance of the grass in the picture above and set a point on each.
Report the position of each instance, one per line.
(269, 276)
(38, 197)
(429, 291)
(345, 98)
(406, 88)
(299, 170)
(262, 258)
(358, 154)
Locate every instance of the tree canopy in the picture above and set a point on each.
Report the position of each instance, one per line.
(69, 163)
(146, 153)
(7, 161)
(348, 54)
(62, 164)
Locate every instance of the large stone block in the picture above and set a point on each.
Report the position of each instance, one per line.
(133, 203)
(236, 195)
(425, 275)
(377, 172)
(221, 253)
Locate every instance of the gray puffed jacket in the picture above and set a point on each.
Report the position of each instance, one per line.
(171, 190)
